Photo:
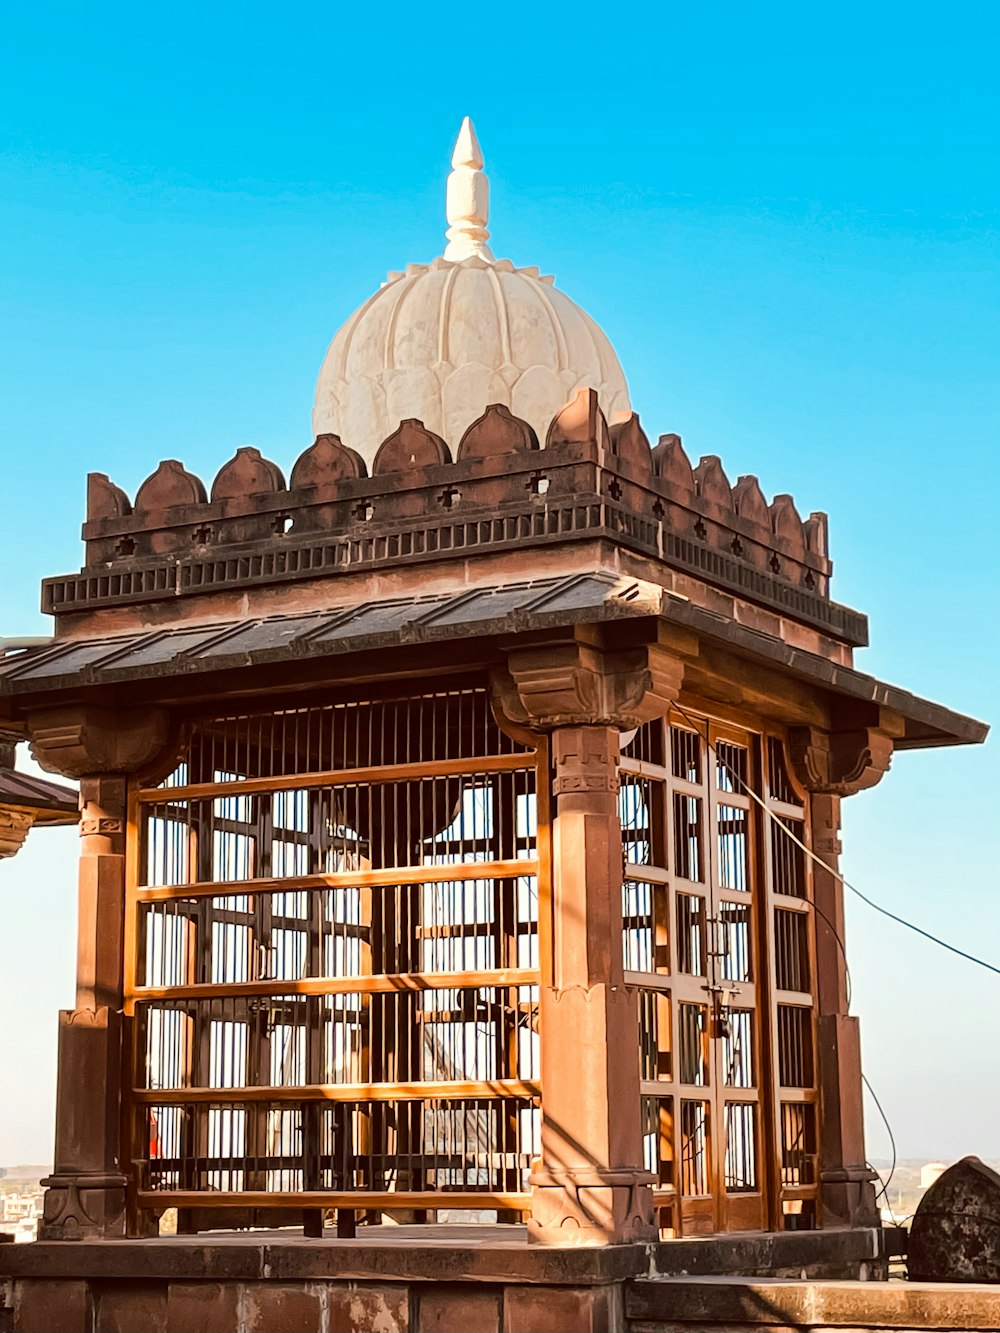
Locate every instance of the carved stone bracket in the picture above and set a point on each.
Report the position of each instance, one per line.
(14, 828)
(86, 741)
(839, 763)
(568, 683)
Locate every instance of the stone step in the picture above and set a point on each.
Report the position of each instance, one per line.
(738, 1305)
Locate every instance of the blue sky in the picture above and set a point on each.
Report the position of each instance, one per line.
(784, 216)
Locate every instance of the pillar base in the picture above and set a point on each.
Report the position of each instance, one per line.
(848, 1195)
(83, 1207)
(591, 1207)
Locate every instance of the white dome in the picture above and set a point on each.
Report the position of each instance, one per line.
(442, 341)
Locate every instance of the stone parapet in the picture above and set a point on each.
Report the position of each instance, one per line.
(499, 491)
(392, 1284)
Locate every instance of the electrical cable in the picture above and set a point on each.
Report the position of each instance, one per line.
(775, 818)
(892, 1143)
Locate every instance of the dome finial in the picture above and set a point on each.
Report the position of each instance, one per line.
(468, 200)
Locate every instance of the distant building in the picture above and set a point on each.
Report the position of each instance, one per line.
(929, 1173)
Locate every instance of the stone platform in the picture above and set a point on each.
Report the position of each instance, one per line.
(405, 1279)
(742, 1305)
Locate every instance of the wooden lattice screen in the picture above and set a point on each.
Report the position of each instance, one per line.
(332, 961)
(717, 934)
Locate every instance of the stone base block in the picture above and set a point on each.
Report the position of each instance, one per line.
(577, 1208)
(82, 1207)
(561, 1309)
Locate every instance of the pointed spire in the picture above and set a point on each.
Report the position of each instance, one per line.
(468, 202)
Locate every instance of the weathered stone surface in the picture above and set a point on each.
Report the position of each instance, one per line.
(272, 1307)
(248, 473)
(51, 1307)
(495, 434)
(384, 1309)
(209, 1307)
(580, 421)
(130, 1307)
(409, 447)
(171, 486)
(459, 1309)
(325, 463)
(561, 1310)
(955, 1233)
(664, 1304)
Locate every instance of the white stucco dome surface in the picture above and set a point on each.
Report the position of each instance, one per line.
(441, 341)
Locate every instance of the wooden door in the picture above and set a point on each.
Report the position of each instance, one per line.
(713, 910)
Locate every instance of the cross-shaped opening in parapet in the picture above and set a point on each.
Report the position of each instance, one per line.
(537, 483)
(775, 564)
(614, 489)
(282, 523)
(810, 579)
(202, 536)
(450, 497)
(736, 546)
(363, 510)
(126, 546)
(659, 509)
(700, 531)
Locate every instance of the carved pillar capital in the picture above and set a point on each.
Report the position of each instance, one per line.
(84, 741)
(584, 759)
(8, 746)
(839, 763)
(569, 683)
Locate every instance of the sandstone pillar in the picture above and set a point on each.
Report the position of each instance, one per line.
(589, 1185)
(85, 1195)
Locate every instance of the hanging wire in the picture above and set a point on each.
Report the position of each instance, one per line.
(884, 1190)
(972, 958)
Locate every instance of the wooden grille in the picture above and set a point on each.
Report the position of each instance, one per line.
(717, 936)
(791, 943)
(333, 961)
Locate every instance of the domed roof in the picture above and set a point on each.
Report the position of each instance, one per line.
(441, 341)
